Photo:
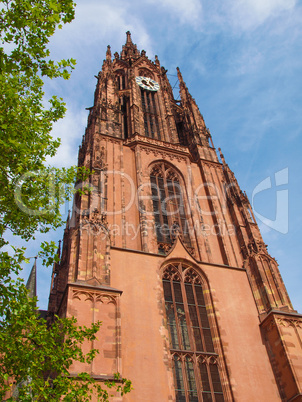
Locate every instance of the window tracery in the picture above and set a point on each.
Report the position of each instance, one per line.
(144, 72)
(168, 207)
(195, 363)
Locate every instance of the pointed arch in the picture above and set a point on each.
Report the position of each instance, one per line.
(120, 77)
(168, 197)
(195, 362)
(145, 72)
(121, 83)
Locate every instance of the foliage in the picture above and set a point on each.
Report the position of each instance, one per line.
(36, 356)
(25, 124)
(51, 351)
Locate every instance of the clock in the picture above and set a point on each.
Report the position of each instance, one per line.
(147, 83)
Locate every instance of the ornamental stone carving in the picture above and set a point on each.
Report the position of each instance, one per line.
(94, 296)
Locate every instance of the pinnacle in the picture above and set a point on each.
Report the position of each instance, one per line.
(129, 49)
(221, 156)
(179, 75)
(129, 40)
(108, 53)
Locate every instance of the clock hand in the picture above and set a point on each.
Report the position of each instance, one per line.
(150, 83)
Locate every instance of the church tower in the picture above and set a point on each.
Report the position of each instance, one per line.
(166, 252)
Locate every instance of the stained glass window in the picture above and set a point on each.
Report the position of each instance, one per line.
(168, 205)
(195, 363)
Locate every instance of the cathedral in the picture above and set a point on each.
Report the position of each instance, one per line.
(164, 249)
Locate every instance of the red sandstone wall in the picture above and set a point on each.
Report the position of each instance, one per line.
(144, 340)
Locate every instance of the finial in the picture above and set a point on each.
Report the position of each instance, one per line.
(116, 55)
(108, 53)
(143, 52)
(156, 60)
(129, 40)
(179, 75)
(221, 156)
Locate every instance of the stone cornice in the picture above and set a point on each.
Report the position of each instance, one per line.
(158, 145)
(204, 162)
(94, 287)
(291, 315)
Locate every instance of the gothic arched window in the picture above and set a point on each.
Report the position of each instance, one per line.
(168, 206)
(144, 72)
(121, 83)
(195, 363)
(150, 108)
(120, 79)
(151, 113)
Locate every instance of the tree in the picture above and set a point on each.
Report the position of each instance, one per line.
(30, 198)
(25, 124)
(38, 357)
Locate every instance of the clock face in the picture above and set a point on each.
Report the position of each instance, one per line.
(147, 83)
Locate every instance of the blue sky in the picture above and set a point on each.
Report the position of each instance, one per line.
(242, 62)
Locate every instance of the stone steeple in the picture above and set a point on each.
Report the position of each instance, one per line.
(166, 252)
(129, 51)
(31, 283)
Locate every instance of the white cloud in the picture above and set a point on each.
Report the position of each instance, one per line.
(248, 14)
(187, 11)
(94, 23)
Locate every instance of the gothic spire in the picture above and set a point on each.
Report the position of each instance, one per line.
(184, 92)
(108, 53)
(129, 49)
(194, 117)
(179, 75)
(68, 220)
(129, 40)
(31, 284)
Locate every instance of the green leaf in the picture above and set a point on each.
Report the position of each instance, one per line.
(35, 354)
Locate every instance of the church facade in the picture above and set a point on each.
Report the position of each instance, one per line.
(166, 252)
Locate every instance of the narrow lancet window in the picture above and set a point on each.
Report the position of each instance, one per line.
(150, 112)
